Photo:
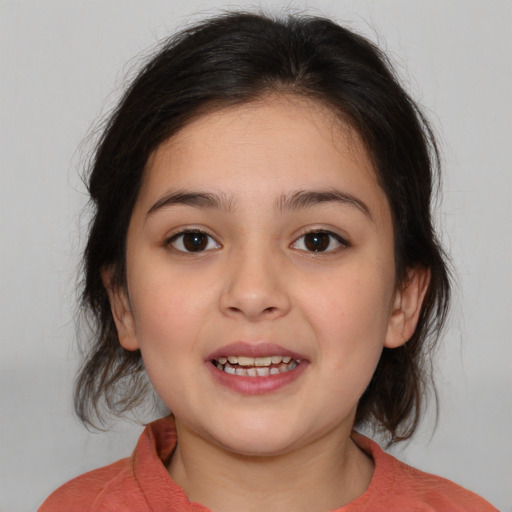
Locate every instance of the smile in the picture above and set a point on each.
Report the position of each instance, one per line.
(257, 369)
(255, 366)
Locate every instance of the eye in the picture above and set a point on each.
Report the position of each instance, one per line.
(319, 241)
(193, 241)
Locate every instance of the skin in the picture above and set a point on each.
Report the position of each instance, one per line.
(257, 281)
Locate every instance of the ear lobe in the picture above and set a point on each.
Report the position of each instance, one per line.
(121, 311)
(407, 307)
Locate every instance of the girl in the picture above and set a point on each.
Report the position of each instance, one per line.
(262, 249)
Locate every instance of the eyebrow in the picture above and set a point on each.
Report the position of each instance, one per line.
(287, 202)
(307, 198)
(204, 200)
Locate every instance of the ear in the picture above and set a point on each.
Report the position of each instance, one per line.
(121, 311)
(407, 307)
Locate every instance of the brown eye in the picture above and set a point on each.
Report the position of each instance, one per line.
(193, 241)
(319, 241)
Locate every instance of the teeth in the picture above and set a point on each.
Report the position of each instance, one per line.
(262, 361)
(285, 367)
(254, 361)
(245, 361)
(256, 367)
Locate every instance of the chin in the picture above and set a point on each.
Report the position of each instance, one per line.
(265, 447)
(256, 440)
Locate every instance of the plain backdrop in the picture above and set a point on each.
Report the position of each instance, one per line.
(63, 64)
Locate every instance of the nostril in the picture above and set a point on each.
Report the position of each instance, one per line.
(269, 311)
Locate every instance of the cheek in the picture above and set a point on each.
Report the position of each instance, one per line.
(351, 317)
(168, 320)
(163, 294)
(355, 307)
(350, 325)
(168, 313)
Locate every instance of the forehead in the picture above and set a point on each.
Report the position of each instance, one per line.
(264, 147)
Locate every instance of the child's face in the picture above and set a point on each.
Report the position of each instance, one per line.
(261, 230)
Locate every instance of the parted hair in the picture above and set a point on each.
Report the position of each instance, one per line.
(233, 59)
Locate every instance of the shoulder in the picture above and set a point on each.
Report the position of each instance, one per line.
(400, 487)
(140, 482)
(84, 492)
(438, 493)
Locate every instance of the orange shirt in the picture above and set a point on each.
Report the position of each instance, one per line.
(141, 483)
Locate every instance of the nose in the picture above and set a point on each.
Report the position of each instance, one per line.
(255, 287)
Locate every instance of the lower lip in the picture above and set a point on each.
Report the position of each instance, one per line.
(256, 385)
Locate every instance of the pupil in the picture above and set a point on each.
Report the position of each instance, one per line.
(195, 242)
(317, 242)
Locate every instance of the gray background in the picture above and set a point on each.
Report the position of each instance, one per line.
(62, 64)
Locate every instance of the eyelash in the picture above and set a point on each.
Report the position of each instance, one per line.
(342, 243)
(178, 242)
(179, 239)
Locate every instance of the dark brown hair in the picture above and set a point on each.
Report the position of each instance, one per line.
(236, 58)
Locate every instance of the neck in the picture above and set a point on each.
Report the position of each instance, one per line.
(323, 475)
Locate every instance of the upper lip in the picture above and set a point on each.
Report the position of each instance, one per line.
(258, 349)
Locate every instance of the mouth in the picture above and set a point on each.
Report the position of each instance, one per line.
(257, 368)
(245, 366)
